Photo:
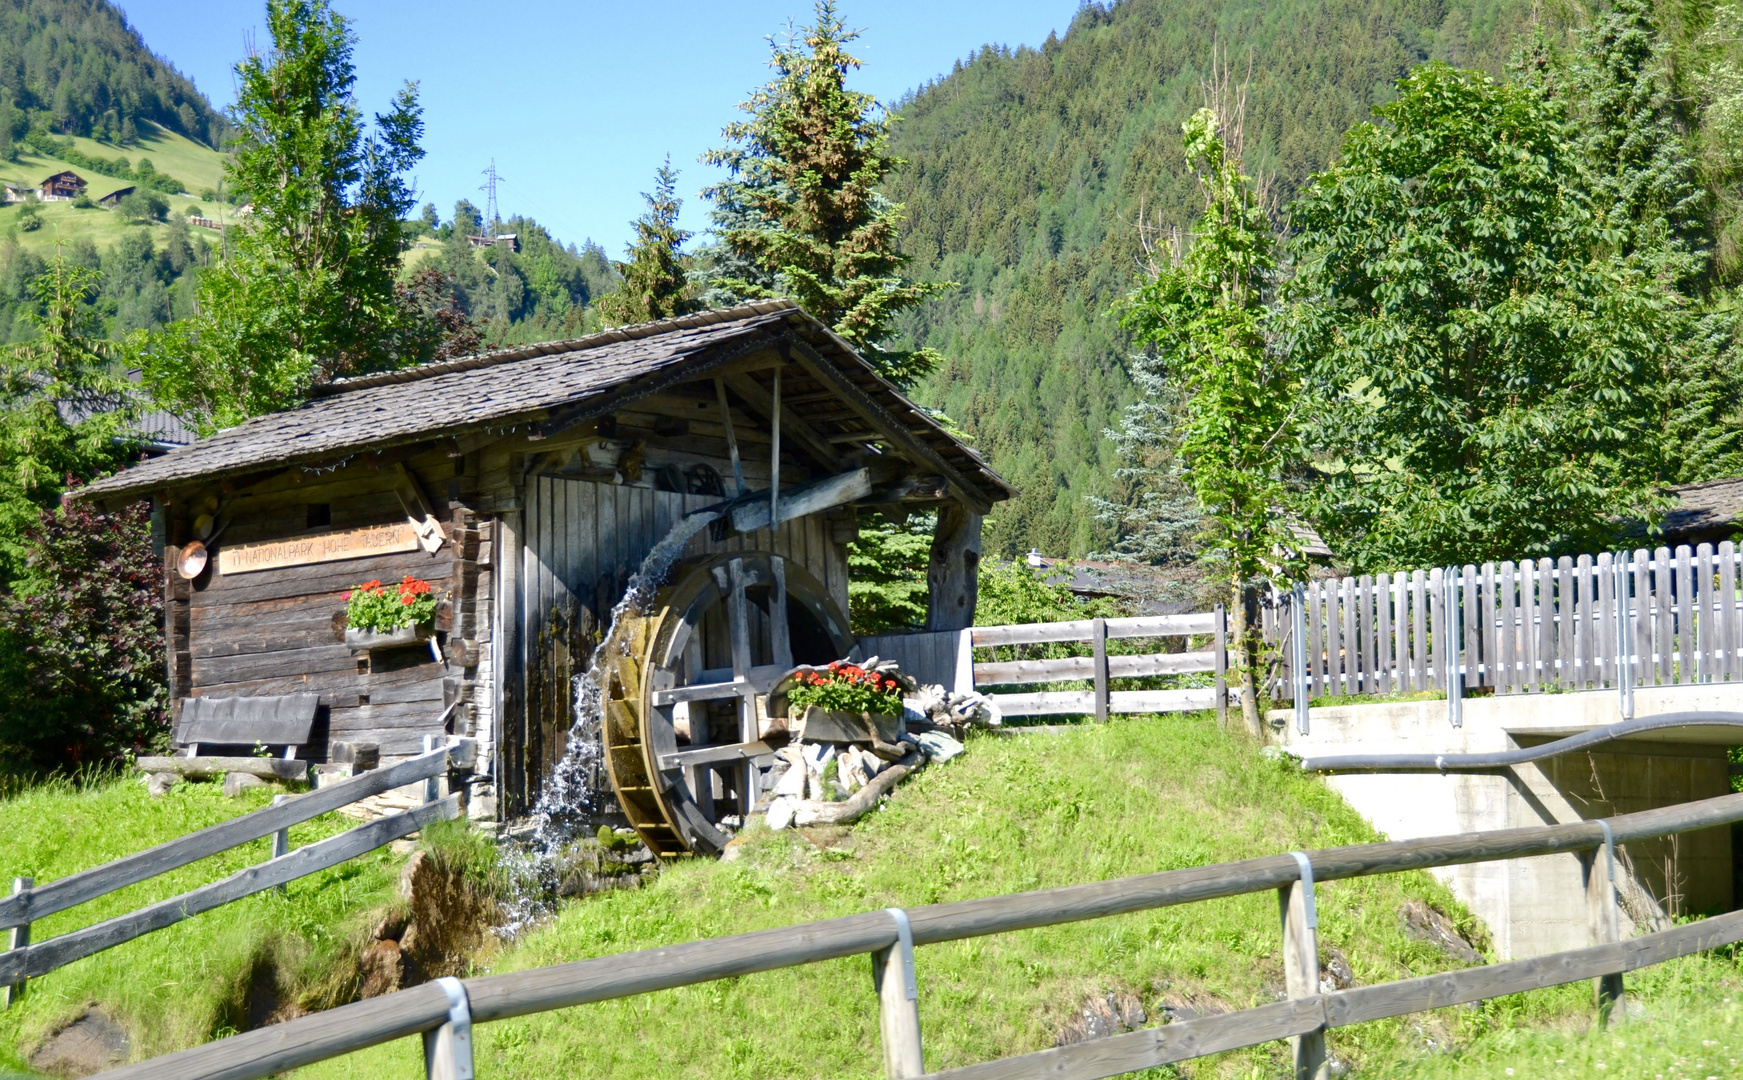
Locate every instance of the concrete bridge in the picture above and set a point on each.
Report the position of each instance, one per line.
(1538, 905)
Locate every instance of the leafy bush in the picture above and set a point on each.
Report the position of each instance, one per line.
(29, 217)
(848, 688)
(372, 606)
(81, 641)
(143, 206)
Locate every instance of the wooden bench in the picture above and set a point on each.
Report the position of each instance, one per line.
(268, 720)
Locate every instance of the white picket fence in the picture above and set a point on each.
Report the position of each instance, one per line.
(1594, 622)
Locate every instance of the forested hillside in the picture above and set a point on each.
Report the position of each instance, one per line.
(1028, 172)
(76, 68)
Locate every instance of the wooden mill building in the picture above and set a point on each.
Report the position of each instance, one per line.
(526, 486)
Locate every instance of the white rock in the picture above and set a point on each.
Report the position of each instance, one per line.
(938, 746)
(792, 782)
(237, 782)
(781, 811)
(853, 771)
(158, 784)
(872, 764)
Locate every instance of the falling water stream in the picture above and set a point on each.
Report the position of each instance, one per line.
(567, 803)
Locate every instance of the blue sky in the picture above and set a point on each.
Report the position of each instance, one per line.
(580, 102)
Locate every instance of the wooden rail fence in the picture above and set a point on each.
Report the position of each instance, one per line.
(1610, 621)
(947, 657)
(30, 902)
(444, 1012)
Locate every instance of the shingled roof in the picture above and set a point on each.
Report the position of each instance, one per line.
(500, 392)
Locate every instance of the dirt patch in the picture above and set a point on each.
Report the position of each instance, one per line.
(1100, 1016)
(89, 1044)
(1425, 923)
(1182, 1002)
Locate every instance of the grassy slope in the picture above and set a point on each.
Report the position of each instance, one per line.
(178, 986)
(197, 167)
(1136, 796)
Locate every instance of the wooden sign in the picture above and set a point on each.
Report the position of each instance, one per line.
(325, 547)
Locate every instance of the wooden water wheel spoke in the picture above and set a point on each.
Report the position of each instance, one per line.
(684, 747)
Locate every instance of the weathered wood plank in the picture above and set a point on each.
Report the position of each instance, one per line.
(1020, 672)
(1383, 662)
(1419, 633)
(1495, 980)
(283, 719)
(1567, 658)
(1401, 629)
(45, 956)
(1700, 606)
(1729, 631)
(714, 755)
(1437, 632)
(1131, 1051)
(1489, 647)
(1472, 620)
(1682, 618)
(1508, 653)
(1078, 630)
(1082, 702)
(74, 889)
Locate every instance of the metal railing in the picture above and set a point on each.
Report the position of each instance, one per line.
(445, 1012)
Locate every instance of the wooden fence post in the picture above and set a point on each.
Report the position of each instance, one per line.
(1599, 865)
(448, 1049)
(1222, 666)
(899, 1003)
(20, 939)
(281, 838)
(1300, 920)
(1098, 643)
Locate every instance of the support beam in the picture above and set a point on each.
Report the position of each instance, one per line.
(752, 513)
(953, 573)
(761, 402)
(775, 455)
(731, 438)
(888, 426)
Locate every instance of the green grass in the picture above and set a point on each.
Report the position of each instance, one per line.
(1689, 1027)
(188, 983)
(1092, 803)
(1099, 802)
(197, 166)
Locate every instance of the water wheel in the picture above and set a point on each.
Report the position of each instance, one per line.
(682, 688)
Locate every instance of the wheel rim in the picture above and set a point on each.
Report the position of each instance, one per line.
(721, 634)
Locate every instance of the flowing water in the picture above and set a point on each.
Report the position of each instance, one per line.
(577, 793)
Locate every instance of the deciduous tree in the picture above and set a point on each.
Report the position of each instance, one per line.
(1485, 346)
(307, 291)
(1203, 311)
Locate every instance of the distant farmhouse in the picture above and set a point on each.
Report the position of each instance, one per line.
(507, 239)
(113, 199)
(62, 187)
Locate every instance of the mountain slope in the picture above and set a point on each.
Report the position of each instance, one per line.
(1028, 171)
(76, 68)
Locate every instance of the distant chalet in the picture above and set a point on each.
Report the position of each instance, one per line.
(62, 187)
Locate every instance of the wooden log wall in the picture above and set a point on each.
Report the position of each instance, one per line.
(582, 542)
(1528, 627)
(281, 630)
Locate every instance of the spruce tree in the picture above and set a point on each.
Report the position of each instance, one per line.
(654, 282)
(803, 203)
(1639, 176)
